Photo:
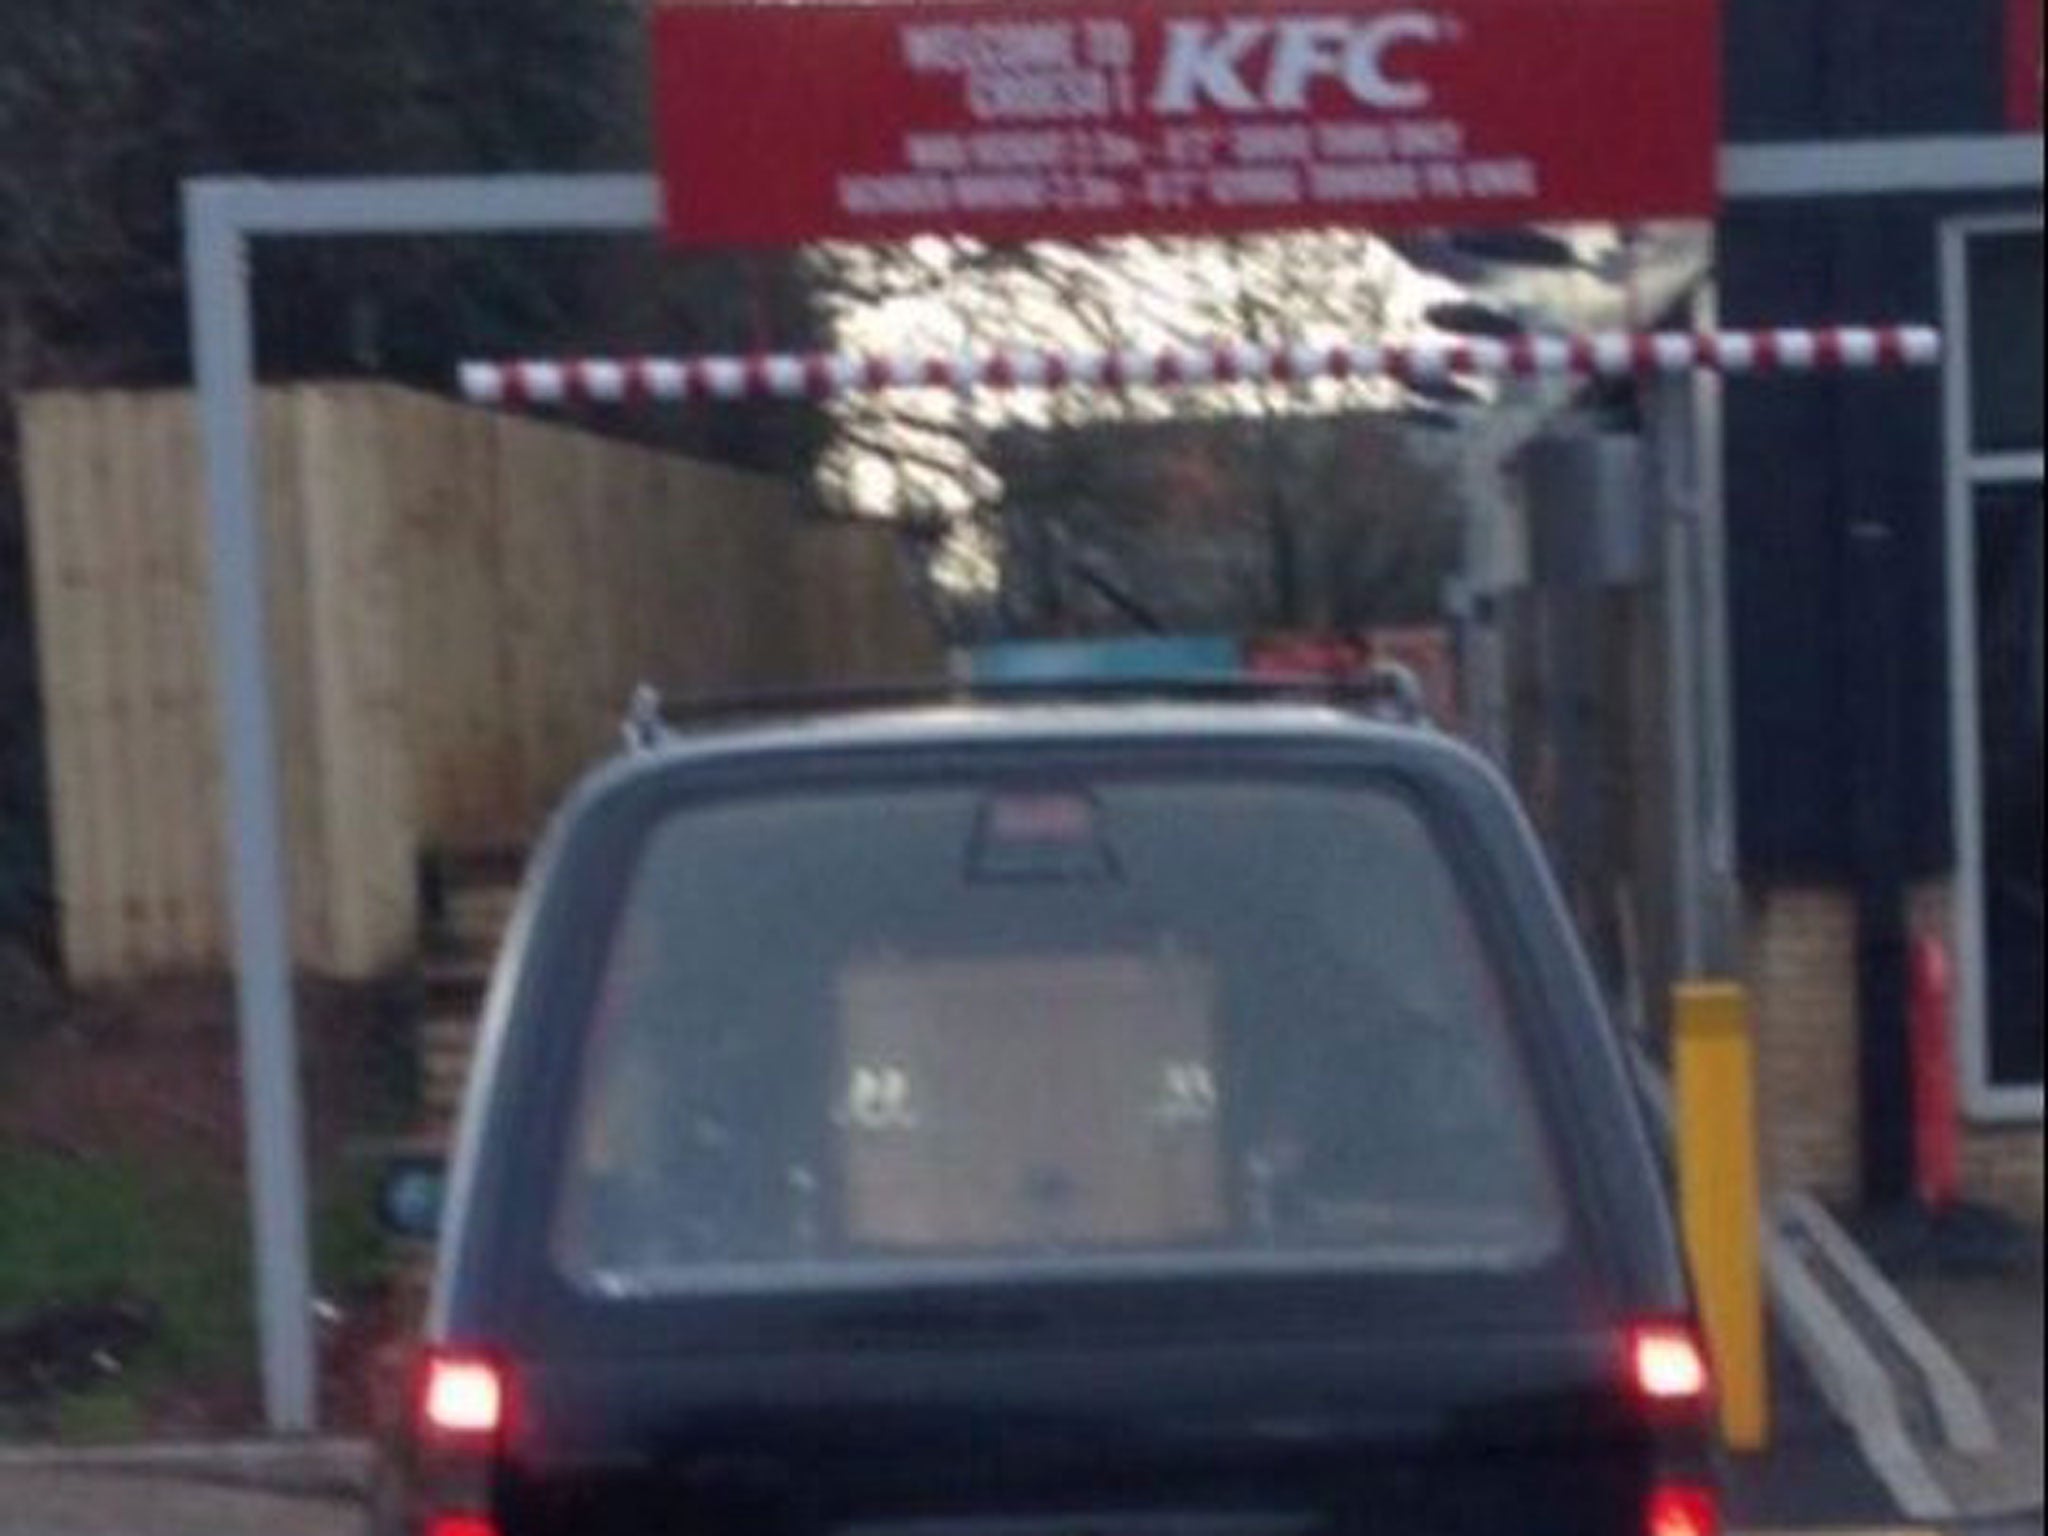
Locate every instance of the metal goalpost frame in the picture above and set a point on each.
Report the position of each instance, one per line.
(223, 219)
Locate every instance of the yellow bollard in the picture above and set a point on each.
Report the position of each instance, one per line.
(1719, 1195)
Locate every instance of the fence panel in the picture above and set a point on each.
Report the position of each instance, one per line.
(459, 603)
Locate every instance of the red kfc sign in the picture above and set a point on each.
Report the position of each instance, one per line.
(880, 119)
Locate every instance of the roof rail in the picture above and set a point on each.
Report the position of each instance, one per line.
(1386, 692)
(1391, 690)
(643, 726)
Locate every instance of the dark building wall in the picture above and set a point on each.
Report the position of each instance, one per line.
(1825, 69)
(1835, 486)
(1835, 530)
(1836, 522)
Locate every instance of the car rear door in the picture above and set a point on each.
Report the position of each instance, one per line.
(774, 1252)
(1434, 1437)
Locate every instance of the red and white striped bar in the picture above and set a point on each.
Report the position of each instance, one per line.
(826, 376)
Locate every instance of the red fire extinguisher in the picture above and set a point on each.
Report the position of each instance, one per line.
(1937, 1121)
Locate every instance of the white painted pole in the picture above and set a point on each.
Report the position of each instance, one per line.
(221, 219)
(216, 257)
(1647, 355)
(1668, 416)
(1719, 808)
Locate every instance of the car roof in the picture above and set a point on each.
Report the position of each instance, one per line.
(1019, 718)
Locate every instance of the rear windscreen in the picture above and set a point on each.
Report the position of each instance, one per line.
(1026, 1028)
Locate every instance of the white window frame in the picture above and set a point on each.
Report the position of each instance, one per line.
(1965, 472)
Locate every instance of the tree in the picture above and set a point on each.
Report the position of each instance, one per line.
(106, 107)
(1168, 525)
(927, 456)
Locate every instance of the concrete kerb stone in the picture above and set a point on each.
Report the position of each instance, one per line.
(326, 1468)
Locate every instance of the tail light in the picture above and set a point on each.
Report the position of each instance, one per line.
(461, 1409)
(461, 1397)
(1668, 1367)
(1684, 1512)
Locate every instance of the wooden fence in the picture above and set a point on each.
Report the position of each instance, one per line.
(460, 604)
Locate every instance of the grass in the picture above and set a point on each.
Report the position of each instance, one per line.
(352, 1253)
(79, 1232)
(75, 1231)
(103, 1414)
(118, 1182)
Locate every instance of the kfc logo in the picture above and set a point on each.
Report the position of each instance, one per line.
(1244, 65)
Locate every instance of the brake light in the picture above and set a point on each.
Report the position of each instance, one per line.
(1684, 1512)
(462, 1525)
(1668, 1365)
(463, 1397)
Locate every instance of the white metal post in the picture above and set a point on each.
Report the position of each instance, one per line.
(222, 217)
(1669, 422)
(217, 254)
(1719, 802)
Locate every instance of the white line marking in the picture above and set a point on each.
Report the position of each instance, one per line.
(1855, 1384)
(1966, 1421)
